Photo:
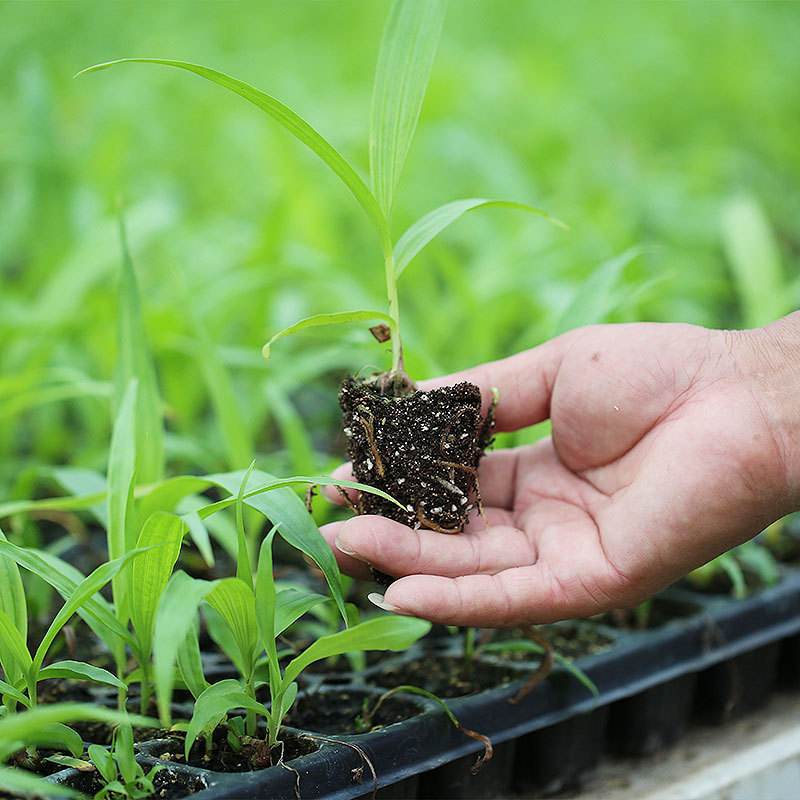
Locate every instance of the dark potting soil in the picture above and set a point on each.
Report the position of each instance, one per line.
(169, 783)
(59, 690)
(445, 676)
(342, 712)
(571, 640)
(253, 754)
(103, 732)
(423, 448)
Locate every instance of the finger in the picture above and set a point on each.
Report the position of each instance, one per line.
(523, 595)
(525, 382)
(397, 550)
(356, 568)
(344, 472)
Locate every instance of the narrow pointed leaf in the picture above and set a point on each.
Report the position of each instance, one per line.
(7, 690)
(425, 229)
(78, 671)
(291, 604)
(284, 115)
(121, 466)
(12, 593)
(285, 510)
(190, 663)
(336, 318)
(163, 535)
(380, 633)
(404, 65)
(64, 578)
(18, 782)
(234, 601)
(85, 590)
(213, 706)
(134, 361)
(14, 656)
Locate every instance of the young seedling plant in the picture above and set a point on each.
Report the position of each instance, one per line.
(421, 448)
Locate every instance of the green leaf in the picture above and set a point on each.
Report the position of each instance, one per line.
(190, 663)
(292, 603)
(79, 481)
(266, 607)
(14, 656)
(121, 466)
(64, 578)
(288, 513)
(282, 114)
(85, 590)
(12, 594)
(78, 671)
(753, 254)
(26, 727)
(244, 570)
(404, 66)
(7, 690)
(288, 698)
(19, 782)
(596, 297)
(103, 761)
(176, 615)
(134, 361)
(214, 704)
(162, 535)
(58, 736)
(380, 633)
(235, 601)
(336, 318)
(425, 229)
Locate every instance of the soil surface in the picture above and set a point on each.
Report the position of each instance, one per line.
(423, 448)
(572, 640)
(341, 712)
(169, 784)
(253, 754)
(445, 676)
(661, 611)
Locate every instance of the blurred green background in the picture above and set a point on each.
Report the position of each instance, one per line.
(668, 127)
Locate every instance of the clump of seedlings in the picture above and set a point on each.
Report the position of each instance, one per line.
(421, 447)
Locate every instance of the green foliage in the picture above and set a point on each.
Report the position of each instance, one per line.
(121, 775)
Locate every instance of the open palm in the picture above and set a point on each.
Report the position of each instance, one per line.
(662, 456)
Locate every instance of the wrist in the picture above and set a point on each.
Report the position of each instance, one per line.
(769, 358)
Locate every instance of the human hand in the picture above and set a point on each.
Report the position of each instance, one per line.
(670, 444)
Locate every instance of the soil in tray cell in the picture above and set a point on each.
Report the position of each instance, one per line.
(445, 676)
(252, 755)
(340, 712)
(170, 784)
(571, 640)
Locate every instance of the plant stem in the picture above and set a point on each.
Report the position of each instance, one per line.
(469, 645)
(250, 725)
(394, 310)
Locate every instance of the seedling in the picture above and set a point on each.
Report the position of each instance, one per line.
(733, 567)
(422, 448)
(119, 773)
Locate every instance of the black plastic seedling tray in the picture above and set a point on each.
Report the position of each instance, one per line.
(556, 733)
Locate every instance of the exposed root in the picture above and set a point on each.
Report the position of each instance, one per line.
(310, 498)
(354, 507)
(488, 748)
(486, 433)
(474, 472)
(544, 669)
(367, 422)
(358, 772)
(430, 525)
(283, 765)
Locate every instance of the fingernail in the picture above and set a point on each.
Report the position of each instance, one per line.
(348, 551)
(380, 601)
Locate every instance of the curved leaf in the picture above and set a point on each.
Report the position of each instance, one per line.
(404, 66)
(337, 318)
(284, 115)
(176, 615)
(78, 671)
(425, 229)
(235, 602)
(12, 593)
(26, 784)
(380, 633)
(162, 535)
(214, 704)
(14, 656)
